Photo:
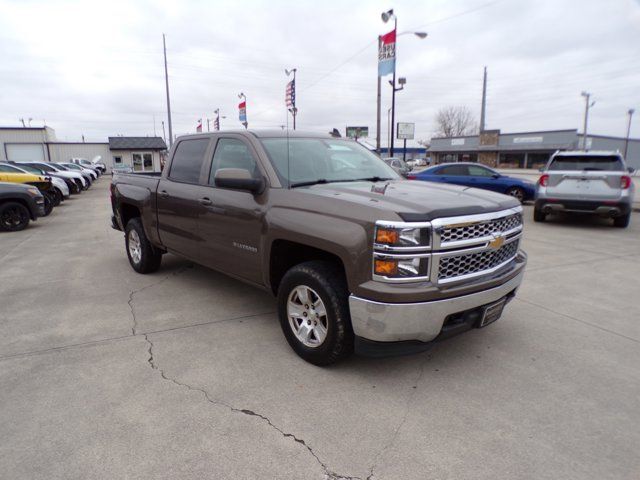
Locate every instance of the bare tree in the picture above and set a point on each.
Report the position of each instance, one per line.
(455, 121)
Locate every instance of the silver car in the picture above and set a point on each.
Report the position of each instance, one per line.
(594, 182)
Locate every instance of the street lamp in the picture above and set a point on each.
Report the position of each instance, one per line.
(588, 104)
(626, 142)
(291, 98)
(386, 16)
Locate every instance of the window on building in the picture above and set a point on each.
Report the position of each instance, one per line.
(232, 153)
(117, 160)
(188, 159)
(142, 162)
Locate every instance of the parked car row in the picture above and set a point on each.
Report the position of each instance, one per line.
(574, 182)
(29, 190)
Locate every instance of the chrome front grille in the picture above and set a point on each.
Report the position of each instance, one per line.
(471, 231)
(456, 266)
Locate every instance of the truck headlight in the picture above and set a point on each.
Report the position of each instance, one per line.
(407, 237)
(401, 268)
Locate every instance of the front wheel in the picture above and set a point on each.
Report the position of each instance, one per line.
(13, 217)
(143, 257)
(314, 312)
(48, 202)
(539, 215)
(516, 192)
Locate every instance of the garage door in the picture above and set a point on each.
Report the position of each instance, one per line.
(25, 152)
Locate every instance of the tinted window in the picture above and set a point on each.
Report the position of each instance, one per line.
(479, 171)
(188, 159)
(6, 168)
(453, 170)
(587, 162)
(232, 153)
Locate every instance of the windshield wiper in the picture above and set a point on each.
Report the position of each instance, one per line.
(340, 180)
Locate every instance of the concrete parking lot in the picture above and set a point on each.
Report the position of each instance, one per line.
(105, 373)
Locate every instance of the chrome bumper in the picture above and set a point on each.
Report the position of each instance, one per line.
(393, 322)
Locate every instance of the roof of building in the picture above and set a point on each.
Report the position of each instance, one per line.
(137, 143)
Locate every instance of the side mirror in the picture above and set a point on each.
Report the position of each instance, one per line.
(238, 179)
(495, 175)
(541, 169)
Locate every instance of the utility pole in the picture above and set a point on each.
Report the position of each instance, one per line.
(626, 142)
(393, 91)
(166, 81)
(588, 104)
(379, 104)
(484, 100)
(23, 125)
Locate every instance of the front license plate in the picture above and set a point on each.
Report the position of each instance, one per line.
(492, 312)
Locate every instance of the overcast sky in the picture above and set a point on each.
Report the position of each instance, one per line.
(96, 68)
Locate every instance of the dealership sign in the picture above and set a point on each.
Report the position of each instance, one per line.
(406, 131)
(357, 132)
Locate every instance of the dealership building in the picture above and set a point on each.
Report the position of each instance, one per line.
(40, 144)
(524, 149)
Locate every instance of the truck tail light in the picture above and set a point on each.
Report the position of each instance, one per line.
(544, 180)
(625, 182)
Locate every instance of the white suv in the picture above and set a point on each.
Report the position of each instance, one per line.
(586, 182)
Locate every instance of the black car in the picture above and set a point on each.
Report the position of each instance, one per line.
(19, 203)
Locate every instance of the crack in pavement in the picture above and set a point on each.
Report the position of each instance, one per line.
(404, 417)
(134, 326)
(329, 474)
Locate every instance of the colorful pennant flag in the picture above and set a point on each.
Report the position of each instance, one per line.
(387, 54)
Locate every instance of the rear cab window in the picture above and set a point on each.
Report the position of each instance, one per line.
(587, 162)
(188, 159)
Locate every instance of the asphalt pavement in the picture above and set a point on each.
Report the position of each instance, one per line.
(105, 373)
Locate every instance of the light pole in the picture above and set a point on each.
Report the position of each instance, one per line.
(626, 142)
(386, 16)
(243, 114)
(588, 104)
(291, 95)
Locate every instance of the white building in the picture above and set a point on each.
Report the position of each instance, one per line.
(40, 144)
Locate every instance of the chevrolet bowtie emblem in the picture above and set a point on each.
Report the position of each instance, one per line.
(496, 242)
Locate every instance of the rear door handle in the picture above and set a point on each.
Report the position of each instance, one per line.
(206, 201)
(164, 194)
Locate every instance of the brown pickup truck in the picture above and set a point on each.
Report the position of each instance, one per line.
(358, 257)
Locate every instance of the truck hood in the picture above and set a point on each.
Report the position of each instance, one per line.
(416, 201)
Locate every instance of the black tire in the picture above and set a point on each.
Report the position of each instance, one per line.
(539, 215)
(48, 202)
(327, 281)
(516, 192)
(149, 257)
(622, 221)
(13, 217)
(57, 197)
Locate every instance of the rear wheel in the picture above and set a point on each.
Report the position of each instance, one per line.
(13, 217)
(516, 192)
(622, 221)
(539, 215)
(314, 312)
(143, 257)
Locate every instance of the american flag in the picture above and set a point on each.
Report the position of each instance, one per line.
(199, 125)
(290, 95)
(216, 123)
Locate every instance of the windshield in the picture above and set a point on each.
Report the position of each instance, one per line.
(311, 160)
(587, 162)
(29, 169)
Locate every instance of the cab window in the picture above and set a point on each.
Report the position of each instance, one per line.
(188, 159)
(456, 170)
(479, 171)
(232, 153)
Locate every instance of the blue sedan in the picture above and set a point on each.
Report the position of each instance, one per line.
(478, 176)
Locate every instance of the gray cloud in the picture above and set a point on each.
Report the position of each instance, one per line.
(95, 68)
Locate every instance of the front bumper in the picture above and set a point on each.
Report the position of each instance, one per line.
(418, 322)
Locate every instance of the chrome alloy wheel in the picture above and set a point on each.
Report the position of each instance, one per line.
(307, 316)
(135, 249)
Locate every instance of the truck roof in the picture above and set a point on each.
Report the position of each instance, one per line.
(274, 133)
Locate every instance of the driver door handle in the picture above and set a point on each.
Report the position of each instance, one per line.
(163, 194)
(206, 201)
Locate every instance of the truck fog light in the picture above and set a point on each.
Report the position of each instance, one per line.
(386, 267)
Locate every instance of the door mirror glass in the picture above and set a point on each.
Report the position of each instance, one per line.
(495, 175)
(238, 179)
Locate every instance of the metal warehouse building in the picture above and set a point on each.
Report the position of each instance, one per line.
(524, 149)
(40, 144)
